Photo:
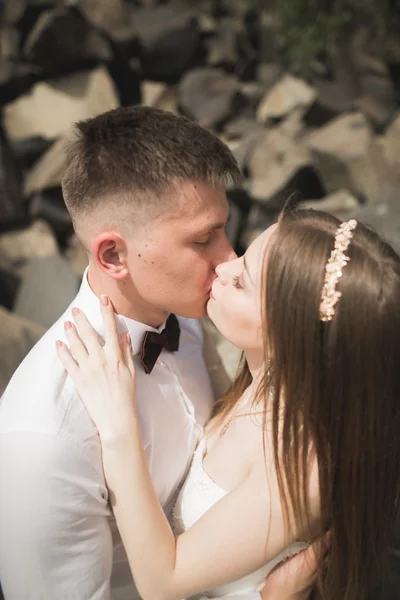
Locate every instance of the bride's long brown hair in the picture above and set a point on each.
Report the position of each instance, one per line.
(341, 385)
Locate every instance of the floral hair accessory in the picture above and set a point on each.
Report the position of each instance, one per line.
(334, 270)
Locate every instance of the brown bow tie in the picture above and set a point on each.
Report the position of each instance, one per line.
(153, 343)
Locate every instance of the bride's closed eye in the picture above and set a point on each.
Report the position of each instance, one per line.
(236, 282)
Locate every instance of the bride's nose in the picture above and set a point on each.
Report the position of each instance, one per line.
(222, 271)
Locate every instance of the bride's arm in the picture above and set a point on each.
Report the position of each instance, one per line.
(238, 535)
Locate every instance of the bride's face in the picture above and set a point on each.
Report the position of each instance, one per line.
(235, 298)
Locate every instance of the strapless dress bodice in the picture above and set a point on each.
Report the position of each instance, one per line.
(197, 495)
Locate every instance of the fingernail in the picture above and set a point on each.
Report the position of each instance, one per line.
(58, 344)
(75, 312)
(104, 300)
(128, 337)
(67, 325)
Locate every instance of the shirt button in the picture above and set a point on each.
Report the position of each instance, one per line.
(162, 363)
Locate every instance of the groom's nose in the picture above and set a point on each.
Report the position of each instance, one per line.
(225, 252)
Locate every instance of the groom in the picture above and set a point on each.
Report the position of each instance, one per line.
(146, 193)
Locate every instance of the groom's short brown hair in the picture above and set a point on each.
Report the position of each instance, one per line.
(139, 153)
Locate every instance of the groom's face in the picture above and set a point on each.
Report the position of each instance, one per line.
(173, 258)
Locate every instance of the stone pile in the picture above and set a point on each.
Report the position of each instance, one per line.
(333, 140)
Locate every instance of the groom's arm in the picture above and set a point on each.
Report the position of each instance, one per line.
(55, 541)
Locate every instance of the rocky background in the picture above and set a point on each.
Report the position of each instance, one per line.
(307, 101)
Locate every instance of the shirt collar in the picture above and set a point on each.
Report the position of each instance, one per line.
(90, 304)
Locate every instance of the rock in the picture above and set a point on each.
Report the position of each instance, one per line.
(268, 74)
(112, 16)
(240, 205)
(125, 75)
(391, 145)
(9, 284)
(169, 100)
(275, 160)
(48, 170)
(28, 150)
(62, 39)
(252, 91)
(49, 205)
(376, 93)
(169, 39)
(250, 235)
(241, 127)
(11, 203)
(9, 51)
(159, 95)
(288, 94)
(207, 23)
(18, 80)
(241, 136)
(233, 226)
(48, 287)
(346, 155)
(332, 99)
(384, 218)
(259, 219)
(18, 247)
(243, 148)
(377, 102)
(51, 107)
(17, 337)
(222, 47)
(152, 92)
(11, 11)
(209, 96)
(76, 255)
(29, 17)
(15, 224)
(341, 203)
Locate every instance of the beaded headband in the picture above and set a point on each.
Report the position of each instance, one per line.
(334, 270)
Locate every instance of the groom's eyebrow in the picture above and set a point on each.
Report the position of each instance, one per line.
(215, 226)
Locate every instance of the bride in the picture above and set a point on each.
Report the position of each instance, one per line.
(305, 442)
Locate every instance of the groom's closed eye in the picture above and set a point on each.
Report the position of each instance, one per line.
(203, 238)
(204, 242)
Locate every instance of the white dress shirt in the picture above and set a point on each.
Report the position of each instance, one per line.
(58, 539)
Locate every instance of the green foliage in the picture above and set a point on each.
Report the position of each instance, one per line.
(304, 32)
(305, 29)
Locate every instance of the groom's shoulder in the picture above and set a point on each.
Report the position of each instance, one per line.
(39, 391)
(42, 356)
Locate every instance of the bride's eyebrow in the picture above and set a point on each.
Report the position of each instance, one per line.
(247, 269)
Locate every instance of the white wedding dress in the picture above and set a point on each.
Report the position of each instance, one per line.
(197, 495)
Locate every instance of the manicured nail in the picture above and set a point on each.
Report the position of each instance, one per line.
(58, 344)
(104, 300)
(67, 325)
(128, 338)
(75, 312)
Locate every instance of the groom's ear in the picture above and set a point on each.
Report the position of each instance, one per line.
(109, 251)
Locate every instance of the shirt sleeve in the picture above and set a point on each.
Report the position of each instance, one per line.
(54, 532)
